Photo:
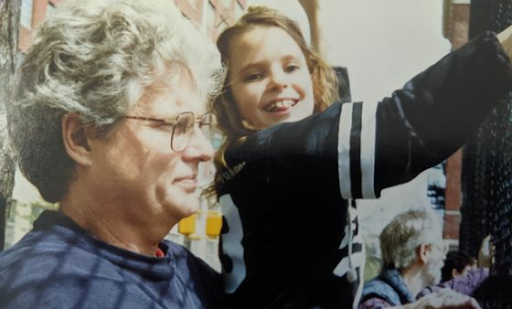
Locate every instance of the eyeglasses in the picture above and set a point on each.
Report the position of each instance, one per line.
(183, 127)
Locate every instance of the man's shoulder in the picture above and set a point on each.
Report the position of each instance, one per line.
(40, 272)
(376, 284)
(380, 289)
(41, 259)
(185, 259)
(33, 247)
(39, 255)
(54, 272)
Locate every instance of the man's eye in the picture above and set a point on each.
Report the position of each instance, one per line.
(165, 126)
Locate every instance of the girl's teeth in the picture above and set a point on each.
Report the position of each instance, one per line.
(281, 104)
(287, 103)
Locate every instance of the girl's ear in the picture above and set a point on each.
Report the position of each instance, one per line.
(75, 136)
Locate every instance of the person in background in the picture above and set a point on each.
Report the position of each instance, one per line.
(413, 254)
(486, 253)
(469, 278)
(456, 264)
(293, 160)
(109, 119)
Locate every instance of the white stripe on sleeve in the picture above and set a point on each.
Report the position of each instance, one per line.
(345, 126)
(368, 136)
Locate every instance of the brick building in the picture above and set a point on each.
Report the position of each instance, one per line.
(211, 15)
(456, 30)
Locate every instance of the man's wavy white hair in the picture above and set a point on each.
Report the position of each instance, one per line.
(402, 236)
(96, 58)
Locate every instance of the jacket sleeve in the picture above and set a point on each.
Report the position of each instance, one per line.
(364, 148)
(438, 110)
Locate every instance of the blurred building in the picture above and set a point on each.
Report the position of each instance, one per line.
(456, 30)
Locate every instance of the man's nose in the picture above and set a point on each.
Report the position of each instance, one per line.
(199, 147)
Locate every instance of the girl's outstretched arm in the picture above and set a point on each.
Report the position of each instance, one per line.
(313, 9)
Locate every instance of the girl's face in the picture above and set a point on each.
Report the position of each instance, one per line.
(270, 80)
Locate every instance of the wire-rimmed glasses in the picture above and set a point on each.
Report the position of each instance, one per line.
(183, 127)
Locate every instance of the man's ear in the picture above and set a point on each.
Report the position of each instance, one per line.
(422, 253)
(75, 138)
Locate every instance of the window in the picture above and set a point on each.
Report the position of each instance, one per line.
(50, 8)
(222, 25)
(227, 3)
(239, 11)
(193, 3)
(210, 15)
(26, 13)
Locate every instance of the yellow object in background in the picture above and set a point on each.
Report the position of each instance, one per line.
(213, 223)
(187, 226)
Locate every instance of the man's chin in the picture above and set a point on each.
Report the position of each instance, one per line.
(432, 279)
(188, 207)
(191, 209)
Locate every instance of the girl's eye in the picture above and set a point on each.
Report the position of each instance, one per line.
(292, 68)
(253, 77)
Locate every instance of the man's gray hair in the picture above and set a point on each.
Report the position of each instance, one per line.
(402, 236)
(95, 58)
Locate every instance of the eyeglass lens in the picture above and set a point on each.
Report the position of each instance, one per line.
(184, 129)
(206, 125)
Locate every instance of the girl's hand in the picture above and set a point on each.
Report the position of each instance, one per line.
(312, 9)
(505, 38)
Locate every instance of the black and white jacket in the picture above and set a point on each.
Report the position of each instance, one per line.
(290, 237)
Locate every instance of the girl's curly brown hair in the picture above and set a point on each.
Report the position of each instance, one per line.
(325, 83)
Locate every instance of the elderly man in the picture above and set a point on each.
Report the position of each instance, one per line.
(413, 253)
(108, 119)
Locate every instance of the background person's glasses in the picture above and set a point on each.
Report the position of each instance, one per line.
(183, 127)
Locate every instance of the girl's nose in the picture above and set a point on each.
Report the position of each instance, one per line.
(278, 80)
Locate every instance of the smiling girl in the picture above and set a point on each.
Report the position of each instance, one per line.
(291, 162)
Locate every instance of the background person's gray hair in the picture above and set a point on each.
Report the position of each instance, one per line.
(400, 238)
(95, 58)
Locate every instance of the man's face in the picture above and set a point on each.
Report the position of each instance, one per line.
(134, 168)
(437, 255)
